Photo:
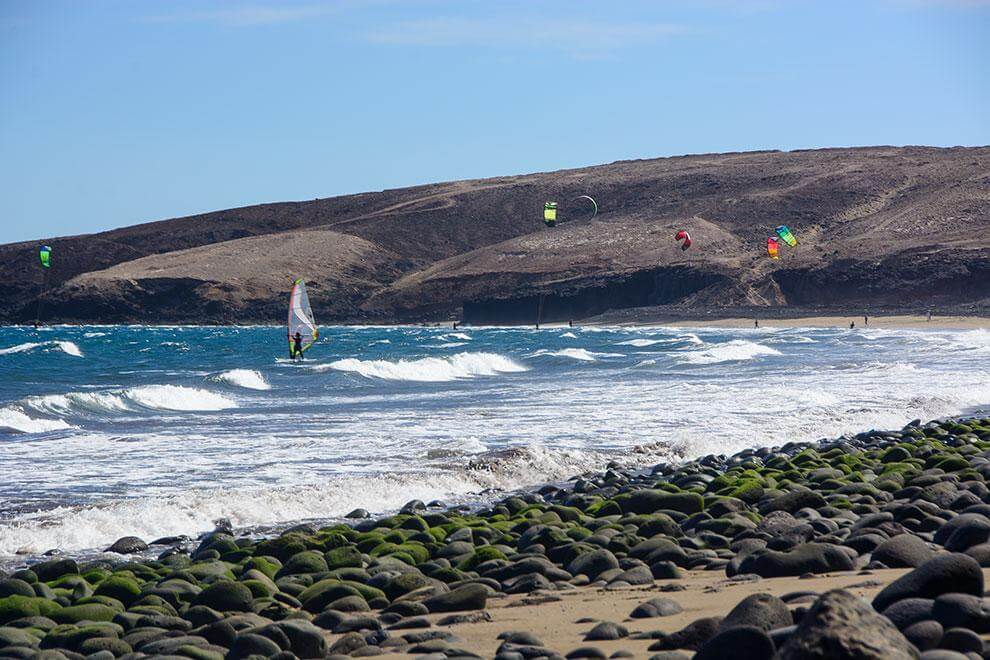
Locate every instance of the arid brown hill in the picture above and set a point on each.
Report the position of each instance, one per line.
(879, 227)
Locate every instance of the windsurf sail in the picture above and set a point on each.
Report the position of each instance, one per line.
(45, 255)
(301, 318)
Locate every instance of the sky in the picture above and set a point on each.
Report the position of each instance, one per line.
(114, 113)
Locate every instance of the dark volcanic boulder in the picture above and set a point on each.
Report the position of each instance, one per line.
(467, 597)
(807, 558)
(908, 611)
(924, 634)
(793, 501)
(902, 551)
(128, 545)
(692, 636)
(739, 643)
(962, 611)
(761, 611)
(225, 596)
(841, 626)
(593, 564)
(656, 607)
(650, 501)
(943, 574)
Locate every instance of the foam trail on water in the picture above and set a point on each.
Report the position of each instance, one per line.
(454, 367)
(246, 378)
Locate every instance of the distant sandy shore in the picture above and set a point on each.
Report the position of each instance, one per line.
(915, 322)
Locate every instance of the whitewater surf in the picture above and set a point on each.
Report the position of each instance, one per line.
(161, 430)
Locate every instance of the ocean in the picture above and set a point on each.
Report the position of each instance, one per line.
(107, 431)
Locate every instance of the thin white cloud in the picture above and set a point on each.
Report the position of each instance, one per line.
(242, 16)
(578, 37)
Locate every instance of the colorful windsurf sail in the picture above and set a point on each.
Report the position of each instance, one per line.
(301, 319)
(45, 255)
(786, 234)
(773, 248)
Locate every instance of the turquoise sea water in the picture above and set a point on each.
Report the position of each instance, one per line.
(110, 431)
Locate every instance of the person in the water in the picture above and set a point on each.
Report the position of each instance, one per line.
(296, 352)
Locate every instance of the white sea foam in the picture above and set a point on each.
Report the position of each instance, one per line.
(67, 347)
(91, 335)
(640, 343)
(735, 350)
(454, 367)
(17, 420)
(152, 397)
(246, 378)
(449, 344)
(582, 354)
(193, 511)
(569, 335)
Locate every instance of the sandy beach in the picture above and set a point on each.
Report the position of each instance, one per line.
(563, 619)
(897, 321)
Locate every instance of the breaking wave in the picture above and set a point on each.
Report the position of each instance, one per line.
(735, 350)
(431, 369)
(67, 347)
(18, 421)
(173, 398)
(577, 354)
(192, 512)
(246, 378)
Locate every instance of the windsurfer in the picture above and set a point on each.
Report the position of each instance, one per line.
(297, 350)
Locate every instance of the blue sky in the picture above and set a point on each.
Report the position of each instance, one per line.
(114, 113)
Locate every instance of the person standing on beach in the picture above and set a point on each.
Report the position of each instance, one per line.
(756, 323)
(866, 320)
(852, 324)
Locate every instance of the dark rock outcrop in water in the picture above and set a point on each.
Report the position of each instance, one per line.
(879, 228)
(369, 588)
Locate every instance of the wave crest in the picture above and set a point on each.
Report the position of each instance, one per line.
(246, 378)
(173, 398)
(67, 347)
(430, 369)
(733, 351)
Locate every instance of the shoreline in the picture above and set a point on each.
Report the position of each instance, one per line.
(800, 320)
(552, 563)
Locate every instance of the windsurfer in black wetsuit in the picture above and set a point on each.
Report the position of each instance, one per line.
(296, 352)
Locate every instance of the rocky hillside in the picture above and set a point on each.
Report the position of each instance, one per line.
(879, 228)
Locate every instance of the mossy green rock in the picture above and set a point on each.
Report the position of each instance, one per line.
(124, 589)
(18, 607)
(96, 644)
(88, 612)
(16, 637)
(226, 597)
(653, 500)
(309, 561)
(54, 569)
(343, 557)
(324, 592)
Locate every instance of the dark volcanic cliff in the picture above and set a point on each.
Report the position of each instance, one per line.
(882, 227)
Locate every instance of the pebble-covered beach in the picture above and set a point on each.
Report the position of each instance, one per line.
(902, 514)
